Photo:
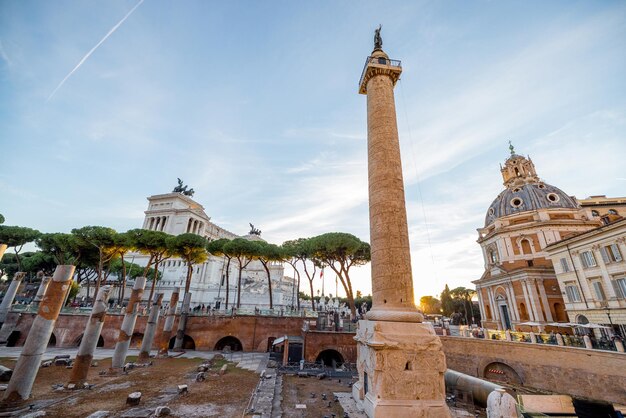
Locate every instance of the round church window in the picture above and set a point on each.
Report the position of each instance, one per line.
(553, 197)
(491, 211)
(517, 202)
(516, 190)
(542, 186)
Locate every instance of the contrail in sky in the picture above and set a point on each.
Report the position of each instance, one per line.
(113, 29)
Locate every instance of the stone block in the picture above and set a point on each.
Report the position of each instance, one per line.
(162, 411)
(133, 399)
(100, 414)
(5, 374)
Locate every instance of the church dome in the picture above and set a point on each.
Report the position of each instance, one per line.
(525, 191)
(528, 197)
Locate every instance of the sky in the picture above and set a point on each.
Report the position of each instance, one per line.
(255, 105)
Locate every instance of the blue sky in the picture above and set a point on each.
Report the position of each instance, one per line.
(255, 106)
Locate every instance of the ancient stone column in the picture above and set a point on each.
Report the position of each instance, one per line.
(182, 322)
(169, 324)
(27, 366)
(9, 296)
(128, 325)
(90, 338)
(148, 335)
(400, 361)
(3, 248)
(42, 289)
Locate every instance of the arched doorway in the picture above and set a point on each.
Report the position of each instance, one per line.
(330, 358)
(136, 339)
(501, 372)
(270, 341)
(188, 343)
(52, 342)
(80, 339)
(13, 338)
(230, 341)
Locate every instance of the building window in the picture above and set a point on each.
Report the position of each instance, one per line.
(595, 213)
(620, 287)
(598, 290)
(517, 202)
(564, 265)
(553, 197)
(587, 258)
(493, 256)
(573, 295)
(612, 212)
(611, 254)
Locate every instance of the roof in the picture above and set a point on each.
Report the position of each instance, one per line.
(528, 197)
(586, 234)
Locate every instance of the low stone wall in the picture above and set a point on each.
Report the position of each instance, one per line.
(577, 372)
(318, 341)
(253, 332)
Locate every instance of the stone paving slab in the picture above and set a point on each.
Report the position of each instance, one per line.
(349, 405)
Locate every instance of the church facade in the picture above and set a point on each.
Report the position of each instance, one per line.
(519, 284)
(176, 213)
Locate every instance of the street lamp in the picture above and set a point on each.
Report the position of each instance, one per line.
(608, 313)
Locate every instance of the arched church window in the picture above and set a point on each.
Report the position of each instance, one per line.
(595, 213)
(526, 248)
(493, 256)
(517, 173)
(612, 212)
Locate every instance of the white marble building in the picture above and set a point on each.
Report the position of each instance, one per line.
(175, 213)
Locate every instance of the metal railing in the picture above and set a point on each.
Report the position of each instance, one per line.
(542, 338)
(378, 61)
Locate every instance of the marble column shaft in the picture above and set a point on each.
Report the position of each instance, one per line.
(9, 296)
(42, 289)
(148, 335)
(392, 282)
(90, 338)
(21, 383)
(182, 323)
(169, 323)
(128, 324)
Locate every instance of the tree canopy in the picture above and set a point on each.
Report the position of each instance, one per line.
(192, 249)
(16, 237)
(341, 251)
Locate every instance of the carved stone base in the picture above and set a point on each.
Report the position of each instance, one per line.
(401, 367)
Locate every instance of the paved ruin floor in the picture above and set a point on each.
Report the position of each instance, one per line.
(217, 396)
(298, 391)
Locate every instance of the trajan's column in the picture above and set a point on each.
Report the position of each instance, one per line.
(400, 361)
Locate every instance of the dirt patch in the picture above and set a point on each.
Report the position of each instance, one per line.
(221, 396)
(297, 390)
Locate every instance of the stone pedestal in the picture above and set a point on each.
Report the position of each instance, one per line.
(401, 368)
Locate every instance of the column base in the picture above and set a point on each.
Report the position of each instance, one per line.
(401, 370)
